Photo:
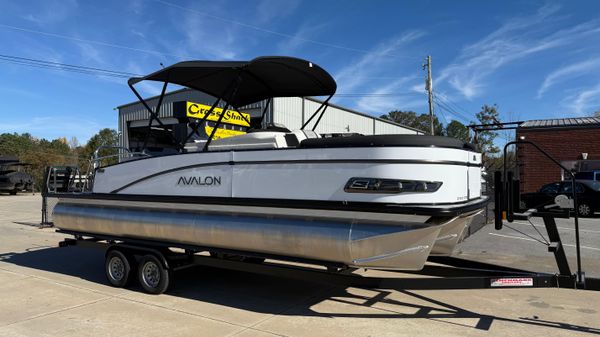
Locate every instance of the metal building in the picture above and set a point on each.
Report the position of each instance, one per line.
(292, 112)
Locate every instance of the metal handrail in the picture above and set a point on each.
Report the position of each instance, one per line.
(96, 159)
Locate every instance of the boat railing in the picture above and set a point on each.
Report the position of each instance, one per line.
(60, 179)
(122, 154)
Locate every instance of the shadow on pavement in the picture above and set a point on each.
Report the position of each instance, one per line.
(267, 294)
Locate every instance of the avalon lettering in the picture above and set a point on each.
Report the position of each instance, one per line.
(199, 181)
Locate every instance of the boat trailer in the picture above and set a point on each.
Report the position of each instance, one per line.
(156, 261)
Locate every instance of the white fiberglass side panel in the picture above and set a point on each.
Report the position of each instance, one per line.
(474, 175)
(214, 181)
(116, 177)
(321, 174)
(317, 181)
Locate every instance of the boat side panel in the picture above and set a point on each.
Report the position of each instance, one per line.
(317, 174)
(327, 182)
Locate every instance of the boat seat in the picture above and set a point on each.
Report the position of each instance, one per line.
(262, 140)
(387, 140)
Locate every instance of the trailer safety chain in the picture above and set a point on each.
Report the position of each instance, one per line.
(540, 233)
(529, 236)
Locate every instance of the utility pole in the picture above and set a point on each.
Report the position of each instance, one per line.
(429, 88)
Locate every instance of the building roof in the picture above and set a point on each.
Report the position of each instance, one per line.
(581, 122)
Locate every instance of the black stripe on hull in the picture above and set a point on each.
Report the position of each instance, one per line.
(441, 209)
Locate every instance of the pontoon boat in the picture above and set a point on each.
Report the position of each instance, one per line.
(372, 201)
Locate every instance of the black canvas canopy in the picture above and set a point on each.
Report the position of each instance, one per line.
(244, 82)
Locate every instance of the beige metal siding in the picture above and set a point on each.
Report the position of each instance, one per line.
(288, 111)
(382, 128)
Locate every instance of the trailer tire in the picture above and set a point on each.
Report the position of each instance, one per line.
(118, 268)
(152, 275)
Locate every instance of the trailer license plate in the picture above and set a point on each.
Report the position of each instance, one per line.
(512, 282)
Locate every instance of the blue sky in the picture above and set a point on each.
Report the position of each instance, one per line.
(535, 59)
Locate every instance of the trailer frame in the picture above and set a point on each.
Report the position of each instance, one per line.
(441, 273)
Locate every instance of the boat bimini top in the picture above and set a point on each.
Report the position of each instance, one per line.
(239, 83)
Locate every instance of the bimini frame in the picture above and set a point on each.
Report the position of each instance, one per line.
(237, 74)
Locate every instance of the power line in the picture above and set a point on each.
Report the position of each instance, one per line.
(268, 31)
(450, 110)
(442, 112)
(452, 104)
(37, 63)
(64, 66)
(446, 104)
(101, 43)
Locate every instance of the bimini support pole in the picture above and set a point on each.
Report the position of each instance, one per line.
(262, 116)
(153, 115)
(323, 106)
(236, 85)
(197, 124)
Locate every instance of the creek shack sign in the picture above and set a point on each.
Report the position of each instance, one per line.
(197, 111)
(232, 123)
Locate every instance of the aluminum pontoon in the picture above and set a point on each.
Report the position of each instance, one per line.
(381, 201)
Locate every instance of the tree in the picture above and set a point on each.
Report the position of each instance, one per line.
(37, 152)
(485, 139)
(105, 137)
(410, 118)
(458, 130)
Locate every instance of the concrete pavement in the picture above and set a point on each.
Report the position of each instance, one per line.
(51, 291)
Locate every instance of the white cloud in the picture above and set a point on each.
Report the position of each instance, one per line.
(51, 11)
(384, 99)
(374, 63)
(208, 40)
(373, 73)
(304, 33)
(516, 39)
(584, 102)
(568, 72)
(269, 10)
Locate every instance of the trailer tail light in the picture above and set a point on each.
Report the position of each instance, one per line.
(391, 186)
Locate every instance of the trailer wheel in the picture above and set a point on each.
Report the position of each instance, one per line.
(118, 268)
(153, 277)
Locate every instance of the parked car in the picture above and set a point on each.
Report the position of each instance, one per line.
(12, 178)
(588, 196)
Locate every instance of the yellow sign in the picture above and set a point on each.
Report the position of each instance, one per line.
(222, 133)
(197, 110)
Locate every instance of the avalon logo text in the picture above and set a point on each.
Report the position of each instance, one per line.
(199, 181)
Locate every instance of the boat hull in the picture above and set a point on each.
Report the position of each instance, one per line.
(384, 241)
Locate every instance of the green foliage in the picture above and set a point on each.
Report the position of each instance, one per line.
(105, 137)
(458, 130)
(41, 152)
(485, 139)
(421, 122)
(37, 152)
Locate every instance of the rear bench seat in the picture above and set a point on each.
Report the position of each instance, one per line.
(262, 140)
